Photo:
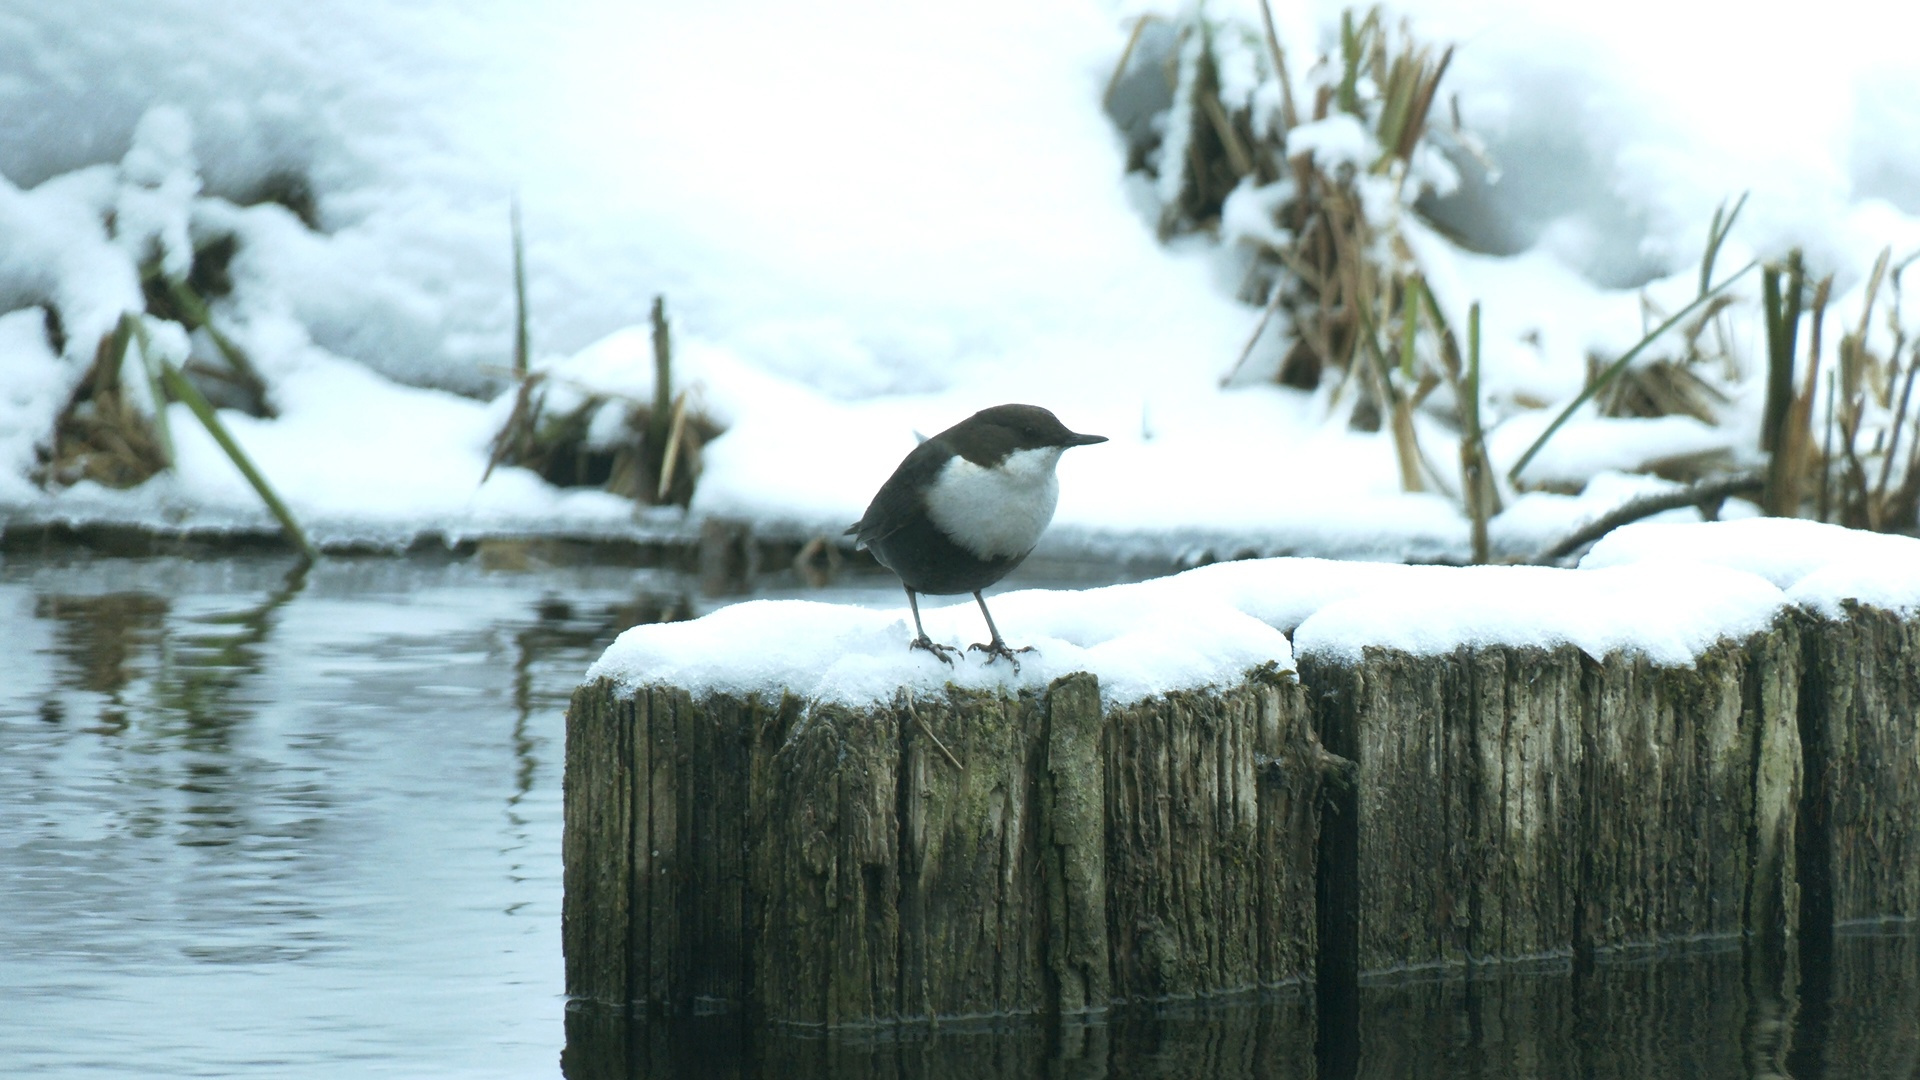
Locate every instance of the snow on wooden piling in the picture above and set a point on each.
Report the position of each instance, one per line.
(780, 808)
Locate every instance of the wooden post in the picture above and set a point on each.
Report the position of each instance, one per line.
(827, 865)
(970, 853)
(1073, 798)
(1861, 724)
(1519, 803)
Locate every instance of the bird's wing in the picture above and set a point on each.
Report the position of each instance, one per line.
(902, 496)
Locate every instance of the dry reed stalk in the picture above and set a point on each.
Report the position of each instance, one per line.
(1794, 459)
(676, 431)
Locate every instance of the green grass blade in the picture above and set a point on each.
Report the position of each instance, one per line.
(137, 326)
(520, 338)
(196, 311)
(187, 394)
(1717, 234)
(1350, 53)
(1614, 369)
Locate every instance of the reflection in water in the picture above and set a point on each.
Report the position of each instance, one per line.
(1707, 1013)
(286, 824)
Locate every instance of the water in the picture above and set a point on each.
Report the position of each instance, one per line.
(258, 826)
(1707, 1011)
(254, 825)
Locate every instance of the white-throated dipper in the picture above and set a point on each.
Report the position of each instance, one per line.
(966, 507)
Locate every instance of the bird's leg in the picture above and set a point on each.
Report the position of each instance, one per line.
(923, 641)
(996, 648)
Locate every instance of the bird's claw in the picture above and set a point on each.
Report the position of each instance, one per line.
(946, 653)
(997, 649)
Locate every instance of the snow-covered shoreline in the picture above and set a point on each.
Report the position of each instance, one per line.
(835, 292)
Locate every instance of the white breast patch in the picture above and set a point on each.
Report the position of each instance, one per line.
(999, 512)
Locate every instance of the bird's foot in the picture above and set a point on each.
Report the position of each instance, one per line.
(946, 653)
(998, 649)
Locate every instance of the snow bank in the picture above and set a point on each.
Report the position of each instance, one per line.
(1663, 591)
(871, 220)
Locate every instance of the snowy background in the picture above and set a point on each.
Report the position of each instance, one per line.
(870, 220)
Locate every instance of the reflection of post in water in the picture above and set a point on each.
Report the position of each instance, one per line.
(1772, 1008)
(1806, 1057)
(1708, 1008)
(1263, 1036)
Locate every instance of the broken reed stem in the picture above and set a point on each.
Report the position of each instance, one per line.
(675, 433)
(1783, 328)
(516, 435)
(517, 429)
(183, 390)
(1782, 312)
(662, 377)
(1788, 470)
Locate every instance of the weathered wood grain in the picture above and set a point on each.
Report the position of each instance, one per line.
(1519, 803)
(966, 854)
(950, 855)
(596, 844)
(1861, 721)
(1075, 869)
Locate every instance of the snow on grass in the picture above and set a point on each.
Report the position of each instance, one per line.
(1665, 592)
(871, 220)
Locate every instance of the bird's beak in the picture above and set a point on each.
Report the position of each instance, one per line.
(1075, 439)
